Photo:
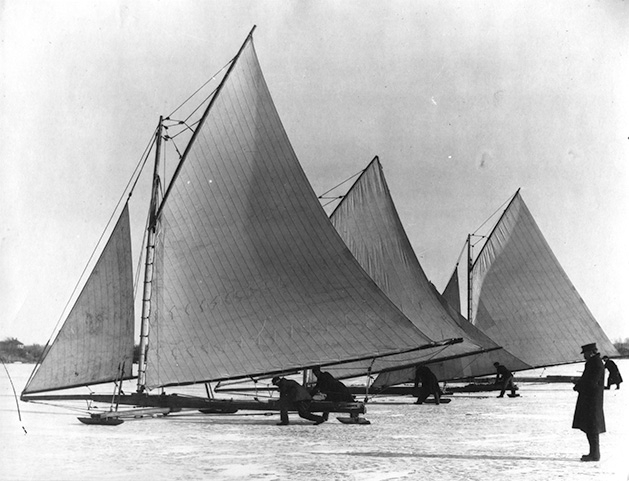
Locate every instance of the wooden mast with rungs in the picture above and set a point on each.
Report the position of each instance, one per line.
(149, 263)
(469, 278)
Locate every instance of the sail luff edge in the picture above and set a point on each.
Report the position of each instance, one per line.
(201, 122)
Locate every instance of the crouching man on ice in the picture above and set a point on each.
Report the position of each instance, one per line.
(294, 396)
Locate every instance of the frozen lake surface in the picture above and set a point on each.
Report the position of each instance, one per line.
(474, 437)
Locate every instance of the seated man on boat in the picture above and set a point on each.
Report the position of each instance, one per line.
(294, 396)
(504, 378)
(333, 389)
(430, 384)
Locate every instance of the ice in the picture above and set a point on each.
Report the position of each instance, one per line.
(474, 437)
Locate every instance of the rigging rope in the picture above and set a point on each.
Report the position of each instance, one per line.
(208, 97)
(334, 199)
(181, 122)
(135, 176)
(17, 402)
(346, 180)
(458, 259)
(202, 86)
(495, 212)
(172, 139)
(62, 406)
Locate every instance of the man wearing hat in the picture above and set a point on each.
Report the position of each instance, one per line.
(294, 396)
(588, 414)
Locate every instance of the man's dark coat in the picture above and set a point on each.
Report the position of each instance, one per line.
(292, 391)
(334, 389)
(588, 414)
(614, 373)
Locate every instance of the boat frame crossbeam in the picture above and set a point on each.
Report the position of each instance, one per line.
(177, 402)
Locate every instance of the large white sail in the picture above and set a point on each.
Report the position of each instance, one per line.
(95, 343)
(250, 276)
(368, 222)
(475, 365)
(523, 299)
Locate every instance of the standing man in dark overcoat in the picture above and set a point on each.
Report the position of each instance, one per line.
(588, 414)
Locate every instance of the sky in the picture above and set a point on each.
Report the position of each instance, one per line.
(463, 102)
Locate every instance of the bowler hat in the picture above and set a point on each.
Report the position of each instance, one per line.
(588, 348)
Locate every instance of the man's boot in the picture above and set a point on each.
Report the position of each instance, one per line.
(283, 418)
(595, 453)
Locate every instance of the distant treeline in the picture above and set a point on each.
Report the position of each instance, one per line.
(622, 347)
(12, 350)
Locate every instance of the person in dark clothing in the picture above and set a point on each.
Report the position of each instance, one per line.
(430, 384)
(504, 378)
(614, 374)
(588, 413)
(294, 396)
(333, 389)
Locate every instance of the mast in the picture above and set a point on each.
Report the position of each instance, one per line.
(469, 277)
(149, 263)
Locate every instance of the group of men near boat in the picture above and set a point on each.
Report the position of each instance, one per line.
(588, 415)
(294, 395)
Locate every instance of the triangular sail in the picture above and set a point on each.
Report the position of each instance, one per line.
(251, 277)
(476, 365)
(95, 343)
(368, 222)
(451, 293)
(523, 299)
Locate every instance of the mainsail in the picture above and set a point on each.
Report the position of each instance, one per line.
(95, 343)
(251, 277)
(368, 222)
(523, 299)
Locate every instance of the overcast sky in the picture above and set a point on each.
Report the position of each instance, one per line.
(464, 103)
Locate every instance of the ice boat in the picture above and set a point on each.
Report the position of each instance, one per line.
(521, 297)
(368, 222)
(245, 277)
